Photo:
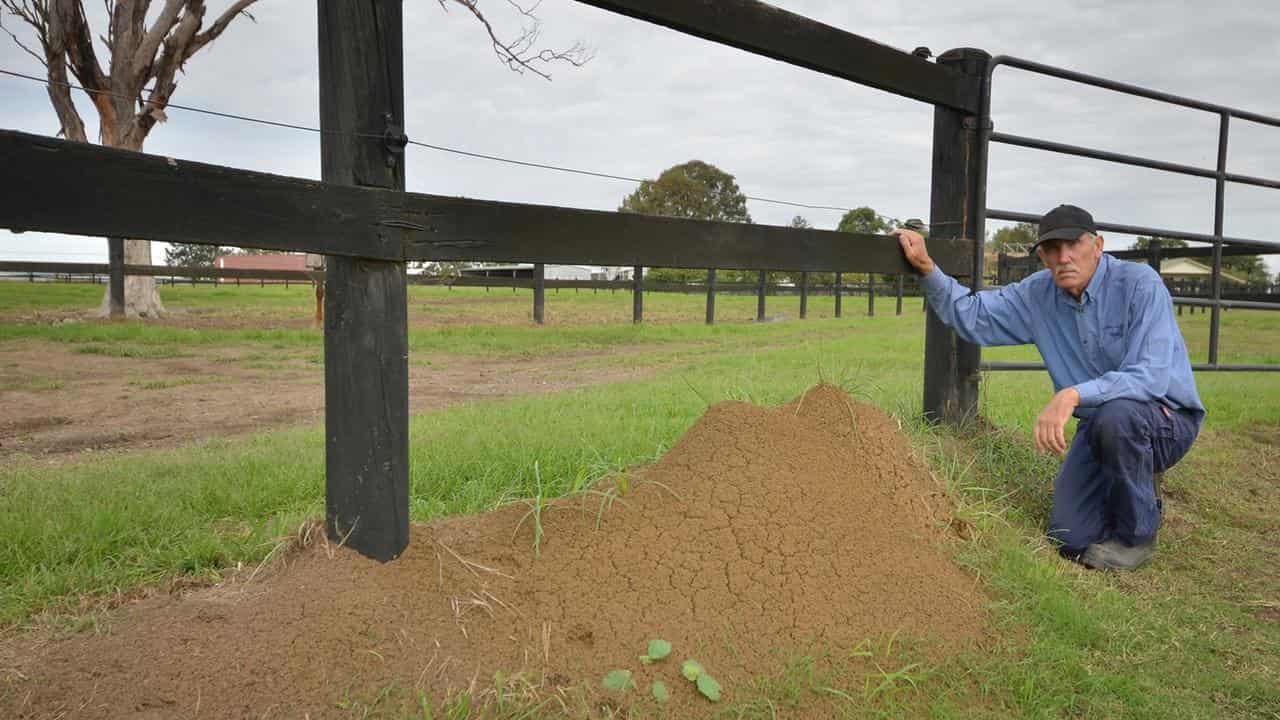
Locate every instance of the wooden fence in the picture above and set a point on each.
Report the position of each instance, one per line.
(361, 217)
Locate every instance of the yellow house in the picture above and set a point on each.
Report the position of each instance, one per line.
(1188, 269)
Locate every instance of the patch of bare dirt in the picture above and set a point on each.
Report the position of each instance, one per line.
(762, 530)
(55, 402)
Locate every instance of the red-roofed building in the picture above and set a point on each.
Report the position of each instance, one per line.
(273, 261)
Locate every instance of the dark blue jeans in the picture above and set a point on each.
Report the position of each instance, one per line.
(1105, 488)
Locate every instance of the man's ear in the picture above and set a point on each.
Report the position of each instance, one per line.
(1101, 241)
(1040, 254)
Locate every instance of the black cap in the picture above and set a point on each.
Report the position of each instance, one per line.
(1065, 222)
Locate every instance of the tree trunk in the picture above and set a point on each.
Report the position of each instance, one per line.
(141, 298)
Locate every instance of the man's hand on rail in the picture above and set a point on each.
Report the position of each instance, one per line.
(913, 247)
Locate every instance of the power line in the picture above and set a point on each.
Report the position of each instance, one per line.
(189, 108)
(600, 174)
(524, 163)
(440, 148)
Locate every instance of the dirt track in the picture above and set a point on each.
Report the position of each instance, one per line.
(58, 403)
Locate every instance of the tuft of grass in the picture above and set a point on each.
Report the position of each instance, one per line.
(31, 384)
(536, 506)
(125, 350)
(164, 384)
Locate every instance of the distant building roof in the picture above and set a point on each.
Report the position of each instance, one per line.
(273, 261)
(1187, 268)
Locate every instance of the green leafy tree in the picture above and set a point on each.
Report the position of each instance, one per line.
(184, 255)
(1249, 268)
(865, 220)
(253, 251)
(1143, 242)
(440, 269)
(1014, 238)
(694, 190)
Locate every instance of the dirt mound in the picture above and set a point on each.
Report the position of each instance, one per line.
(762, 531)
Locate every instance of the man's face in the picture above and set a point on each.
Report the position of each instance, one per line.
(1072, 261)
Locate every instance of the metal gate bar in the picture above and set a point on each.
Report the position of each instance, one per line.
(1219, 174)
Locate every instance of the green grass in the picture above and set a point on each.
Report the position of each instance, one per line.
(498, 322)
(1182, 639)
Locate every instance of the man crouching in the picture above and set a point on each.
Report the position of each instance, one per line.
(1106, 331)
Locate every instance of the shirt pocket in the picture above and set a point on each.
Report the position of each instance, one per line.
(1113, 345)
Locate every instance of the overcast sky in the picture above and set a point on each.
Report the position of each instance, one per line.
(652, 98)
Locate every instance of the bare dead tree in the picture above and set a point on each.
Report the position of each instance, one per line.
(130, 95)
(518, 53)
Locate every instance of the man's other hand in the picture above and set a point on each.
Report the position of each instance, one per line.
(1050, 426)
(913, 247)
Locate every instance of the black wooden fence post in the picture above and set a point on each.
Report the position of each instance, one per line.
(637, 295)
(366, 344)
(871, 294)
(839, 292)
(539, 292)
(956, 209)
(898, 311)
(115, 256)
(804, 295)
(760, 290)
(711, 296)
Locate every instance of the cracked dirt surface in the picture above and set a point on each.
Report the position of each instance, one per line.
(762, 532)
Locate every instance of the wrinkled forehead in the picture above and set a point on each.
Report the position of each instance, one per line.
(1056, 244)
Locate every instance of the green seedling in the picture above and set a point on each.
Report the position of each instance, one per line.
(709, 688)
(658, 649)
(660, 691)
(696, 674)
(618, 681)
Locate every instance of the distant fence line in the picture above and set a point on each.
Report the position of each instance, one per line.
(193, 275)
(1189, 292)
(99, 272)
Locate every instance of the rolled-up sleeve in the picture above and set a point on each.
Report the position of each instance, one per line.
(988, 317)
(1145, 371)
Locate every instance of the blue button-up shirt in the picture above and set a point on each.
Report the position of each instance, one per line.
(1120, 340)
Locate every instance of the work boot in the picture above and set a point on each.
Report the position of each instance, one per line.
(1115, 555)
